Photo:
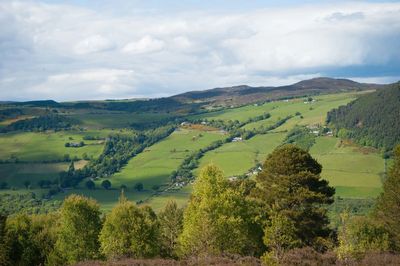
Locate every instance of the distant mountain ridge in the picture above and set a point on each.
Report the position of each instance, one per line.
(226, 96)
(246, 94)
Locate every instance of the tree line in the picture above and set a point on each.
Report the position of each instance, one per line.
(41, 123)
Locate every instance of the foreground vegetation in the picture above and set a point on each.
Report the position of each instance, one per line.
(279, 218)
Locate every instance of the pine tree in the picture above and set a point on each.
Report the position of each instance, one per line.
(290, 184)
(388, 204)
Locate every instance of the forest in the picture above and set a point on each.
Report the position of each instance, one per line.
(279, 218)
(371, 120)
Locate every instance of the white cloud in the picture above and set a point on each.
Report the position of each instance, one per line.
(91, 44)
(69, 52)
(147, 44)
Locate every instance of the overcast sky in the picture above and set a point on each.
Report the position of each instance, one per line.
(93, 49)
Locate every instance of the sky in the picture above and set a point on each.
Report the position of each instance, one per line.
(97, 49)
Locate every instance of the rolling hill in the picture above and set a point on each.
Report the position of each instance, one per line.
(238, 95)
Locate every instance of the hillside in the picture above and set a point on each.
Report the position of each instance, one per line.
(244, 94)
(372, 119)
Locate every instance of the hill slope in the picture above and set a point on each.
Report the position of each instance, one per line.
(245, 94)
(373, 119)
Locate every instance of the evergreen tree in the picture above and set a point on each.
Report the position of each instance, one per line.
(388, 205)
(215, 221)
(290, 184)
(129, 231)
(171, 224)
(79, 231)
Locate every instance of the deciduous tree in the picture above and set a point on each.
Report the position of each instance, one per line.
(79, 231)
(129, 231)
(215, 220)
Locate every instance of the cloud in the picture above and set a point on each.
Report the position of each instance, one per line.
(147, 44)
(70, 52)
(92, 44)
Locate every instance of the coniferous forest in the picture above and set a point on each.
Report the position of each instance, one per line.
(371, 120)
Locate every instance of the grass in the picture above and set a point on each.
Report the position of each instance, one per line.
(16, 174)
(47, 146)
(353, 173)
(156, 163)
(237, 158)
(280, 109)
(106, 198)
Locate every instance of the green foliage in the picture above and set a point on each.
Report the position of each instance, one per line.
(138, 186)
(215, 221)
(106, 184)
(388, 204)
(372, 119)
(79, 230)
(90, 184)
(129, 231)
(290, 184)
(301, 137)
(41, 123)
(360, 235)
(279, 235)
(29, 239)
(26, 203)
(171, 225)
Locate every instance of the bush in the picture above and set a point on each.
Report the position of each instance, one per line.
(106, 184)
(138, 186)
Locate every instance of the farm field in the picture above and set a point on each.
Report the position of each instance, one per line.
(353, 172)
(48, 146)
(236, 158)
(106, 198)
(156, 163)
(283, 108)
(15, 174)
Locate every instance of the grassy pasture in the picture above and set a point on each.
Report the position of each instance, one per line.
(106, 198)
(236, 158)
(16, 174)
(156, 163)
(283, 108)
(353, 173)
(46, 146)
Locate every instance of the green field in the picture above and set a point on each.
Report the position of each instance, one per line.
(16, 174)
(237, 158)
(47, 146)
(281, 109)
(353, 173)
(156, 163)
(106, 198)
